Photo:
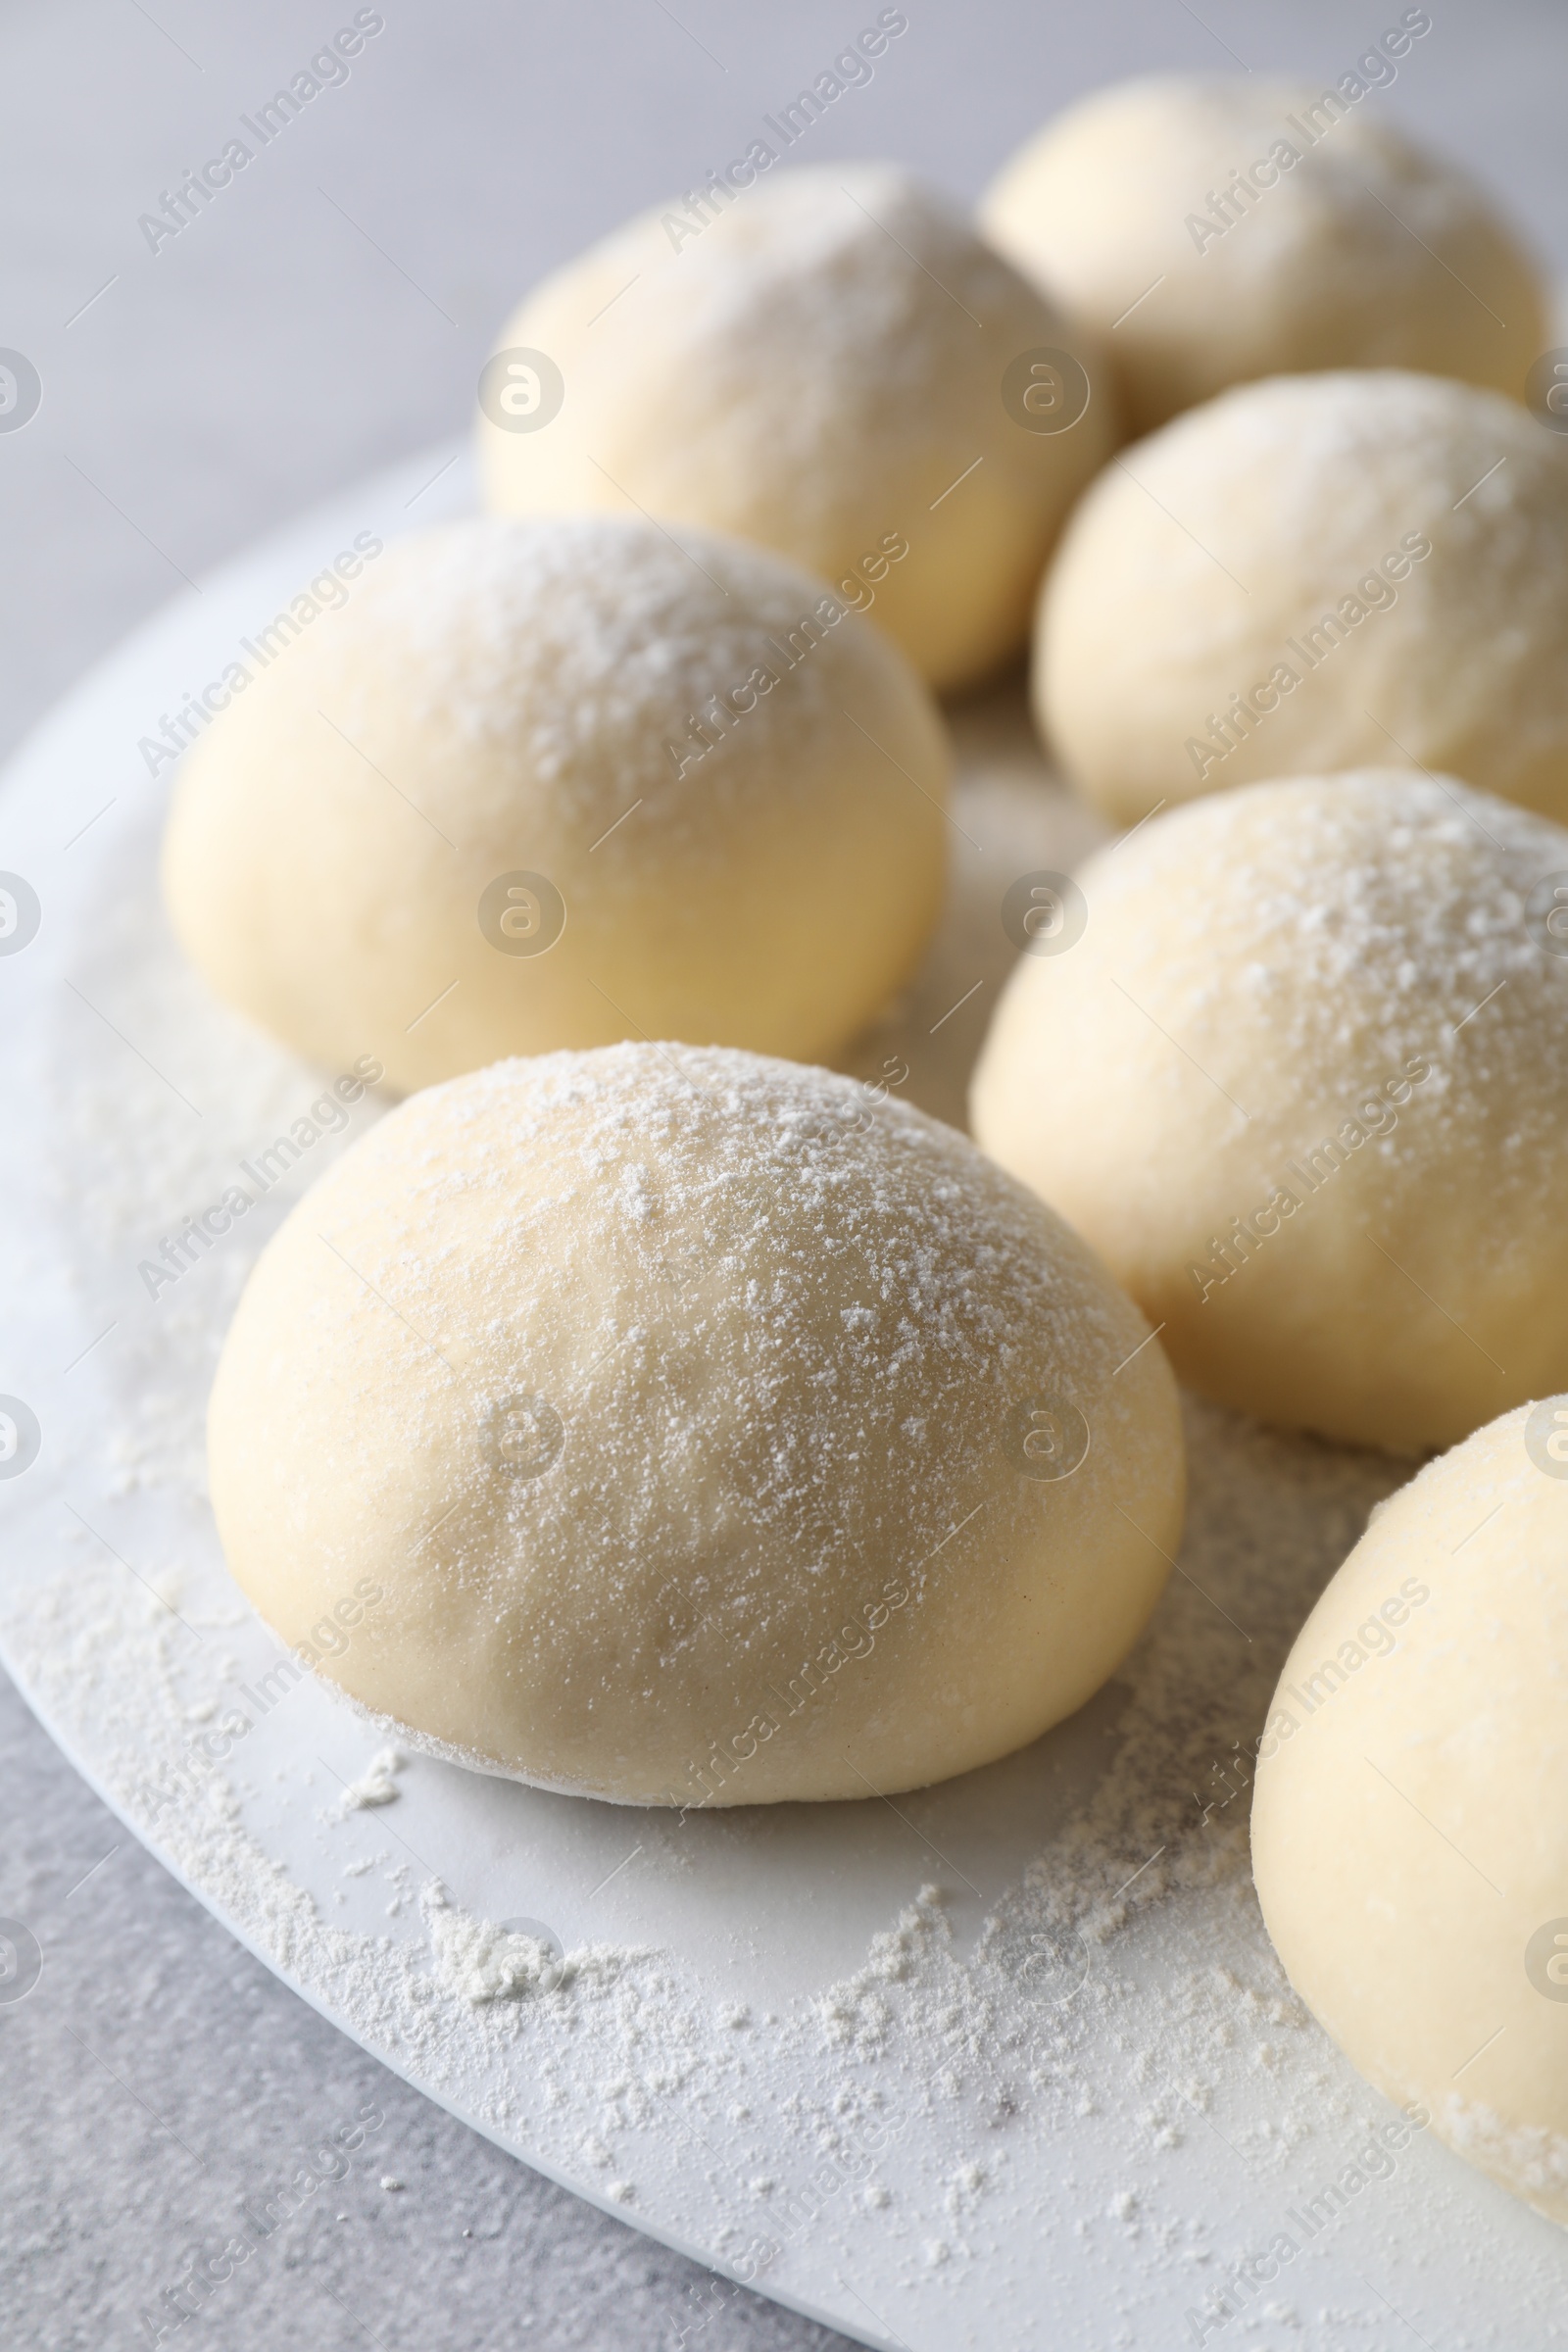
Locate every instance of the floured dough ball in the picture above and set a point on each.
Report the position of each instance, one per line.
(559, 783)
(1302, 1082)
(705, 1435)
(829, 362)
(1219, 230)
(1410, 1816)
(1313, 573)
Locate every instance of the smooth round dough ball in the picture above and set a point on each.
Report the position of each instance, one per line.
(819, 367)
(1410, 1813)
(705, 1434)
(553, 783)
(1317, 573)
(1222, 229)
(1302, 1082)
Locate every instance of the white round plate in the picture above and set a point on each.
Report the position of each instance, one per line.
(1008, 2063)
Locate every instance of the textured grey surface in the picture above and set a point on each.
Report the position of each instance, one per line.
(329, 313)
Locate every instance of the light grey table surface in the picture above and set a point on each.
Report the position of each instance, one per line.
(327, 314)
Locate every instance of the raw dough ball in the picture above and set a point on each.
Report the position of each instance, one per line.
(1170, 216)
(1313, 574)
(491, 806)
(1411, 1818)
(699, 1426)
(1302, 1082)
(815, 368)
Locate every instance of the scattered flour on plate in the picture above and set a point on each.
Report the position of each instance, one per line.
(376, 1783)
(482, 1962)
